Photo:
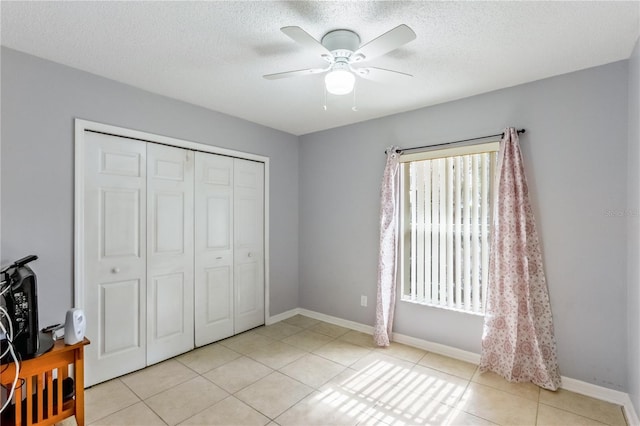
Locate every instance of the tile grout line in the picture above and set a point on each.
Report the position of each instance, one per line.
(307, 352)
(120, 409)
(154, 412)
(274, 370)
(151, 396)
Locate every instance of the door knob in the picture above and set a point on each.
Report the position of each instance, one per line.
(115, 270)
(249, 254)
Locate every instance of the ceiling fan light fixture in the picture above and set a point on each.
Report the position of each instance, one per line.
(339, 81)
(341, 49)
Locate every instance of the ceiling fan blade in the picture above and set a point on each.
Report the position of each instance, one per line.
(300, 36)
(385, 43)
(296, 73)
(381, 74)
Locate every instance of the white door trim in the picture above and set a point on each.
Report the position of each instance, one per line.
(83, 125)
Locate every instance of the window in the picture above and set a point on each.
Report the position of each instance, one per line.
(445, 226)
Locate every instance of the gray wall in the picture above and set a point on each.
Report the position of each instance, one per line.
(633, 229)
(40, 99)
(575, 152)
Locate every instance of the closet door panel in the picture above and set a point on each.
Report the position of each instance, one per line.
(119, 320)
(120, 211)
(114, 216)
(213, 248)
(169, 210)
(218, 220)
(169, 295)
(247, 301)
(169, 252)
(248, 244)
(218, 294)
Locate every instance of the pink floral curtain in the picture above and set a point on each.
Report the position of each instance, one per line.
(386, 298)
(518, 340)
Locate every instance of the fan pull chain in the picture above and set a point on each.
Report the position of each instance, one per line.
(324, 105)
(354, 107)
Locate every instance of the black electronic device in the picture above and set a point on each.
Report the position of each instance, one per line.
(21, 300)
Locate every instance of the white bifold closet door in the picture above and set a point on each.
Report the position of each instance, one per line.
(173, 251)
(214, 313)
(115, 264)
(248, 233)
(169, 252)
(229, 246)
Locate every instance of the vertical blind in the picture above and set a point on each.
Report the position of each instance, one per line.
(446, 230)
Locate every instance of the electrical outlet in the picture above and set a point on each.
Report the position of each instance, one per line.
(363, 301)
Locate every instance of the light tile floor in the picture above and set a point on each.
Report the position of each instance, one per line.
(306, 372)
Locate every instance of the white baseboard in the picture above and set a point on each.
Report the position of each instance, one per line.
(594, 391)
(630, 412)
(437, 348)
(338, 321)
(573, 385)
(605, 394)
(282, 316)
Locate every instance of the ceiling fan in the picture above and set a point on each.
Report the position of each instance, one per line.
(342, 50)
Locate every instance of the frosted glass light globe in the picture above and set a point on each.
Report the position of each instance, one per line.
(339, 82)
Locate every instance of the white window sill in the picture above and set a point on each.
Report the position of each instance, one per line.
(446, 308)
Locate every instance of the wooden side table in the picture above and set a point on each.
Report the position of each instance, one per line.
(38, 384)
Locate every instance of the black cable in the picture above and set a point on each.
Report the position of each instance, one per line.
(17, 359)
(21, 382)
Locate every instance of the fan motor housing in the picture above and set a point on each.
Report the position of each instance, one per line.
(342, 43)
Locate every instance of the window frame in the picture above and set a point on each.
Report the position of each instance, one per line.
(404, 252)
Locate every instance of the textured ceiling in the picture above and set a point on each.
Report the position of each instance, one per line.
(214, 54)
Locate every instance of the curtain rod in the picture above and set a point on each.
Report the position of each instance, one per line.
(449, 143)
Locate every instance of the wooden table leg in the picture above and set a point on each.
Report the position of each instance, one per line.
(79, 384)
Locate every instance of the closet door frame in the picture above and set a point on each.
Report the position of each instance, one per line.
(82, 126)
